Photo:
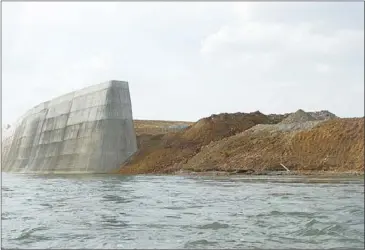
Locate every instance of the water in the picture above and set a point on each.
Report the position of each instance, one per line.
(181, 212)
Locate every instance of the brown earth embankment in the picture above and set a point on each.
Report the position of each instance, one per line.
(165, 153)
(251, 143)
(335, 146)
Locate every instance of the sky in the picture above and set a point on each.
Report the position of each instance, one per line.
(186, 60)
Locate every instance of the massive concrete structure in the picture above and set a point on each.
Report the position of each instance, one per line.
(86, 131)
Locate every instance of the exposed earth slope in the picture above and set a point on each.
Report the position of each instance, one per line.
(335, 145)
(164, 153)
(255, 143)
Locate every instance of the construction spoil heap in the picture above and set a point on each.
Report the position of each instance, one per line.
(86, 131)
(255, 143)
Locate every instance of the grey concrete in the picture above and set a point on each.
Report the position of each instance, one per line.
(86, 131)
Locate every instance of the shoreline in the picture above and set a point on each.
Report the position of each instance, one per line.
(270, 173)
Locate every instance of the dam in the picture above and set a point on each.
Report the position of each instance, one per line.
(86, 131)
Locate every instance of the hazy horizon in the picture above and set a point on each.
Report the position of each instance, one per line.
(186, 61)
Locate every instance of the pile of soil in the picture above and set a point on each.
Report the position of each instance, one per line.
(166, 153)
(217, 127)
(254, 143)
(334, 145)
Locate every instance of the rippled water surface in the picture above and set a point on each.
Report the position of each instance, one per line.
(181, 212)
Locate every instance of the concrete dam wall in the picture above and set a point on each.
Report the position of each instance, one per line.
(86, 131)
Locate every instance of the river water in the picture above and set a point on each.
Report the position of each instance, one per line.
(103, 211)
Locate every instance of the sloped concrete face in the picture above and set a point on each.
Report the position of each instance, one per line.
(86, 131)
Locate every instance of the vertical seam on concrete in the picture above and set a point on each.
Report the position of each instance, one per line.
(92, 143)
(40, 133)
(78, 130)
(45, 119)
(31, 147)
(52, 168)
(104, 121)
(77, 140)
(68, 116)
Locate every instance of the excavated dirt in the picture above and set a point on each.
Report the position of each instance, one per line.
(335, 145)
(168, 152)
(255, 143)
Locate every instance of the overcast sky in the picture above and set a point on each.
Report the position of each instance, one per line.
(185, 61)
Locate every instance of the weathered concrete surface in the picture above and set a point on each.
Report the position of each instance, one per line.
(86, 131)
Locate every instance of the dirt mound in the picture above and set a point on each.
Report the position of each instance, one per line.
(169, 151)
(216, 127)
(333, 145)
(298, 116)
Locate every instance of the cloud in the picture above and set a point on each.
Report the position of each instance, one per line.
(279, 59)
(323, 68)
(187, 60)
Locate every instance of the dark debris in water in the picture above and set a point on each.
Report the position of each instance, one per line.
(214, 225)
(202, 243)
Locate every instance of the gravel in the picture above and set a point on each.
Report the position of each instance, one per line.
(323, 115)
(298, 121)
(299, 116)
(283, 127)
